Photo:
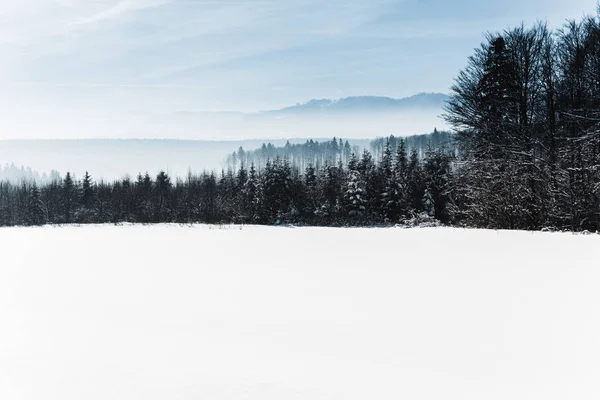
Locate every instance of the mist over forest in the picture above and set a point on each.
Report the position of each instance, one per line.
(111, 159)
(198, 141)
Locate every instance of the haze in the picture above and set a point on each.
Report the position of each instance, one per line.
(130, 68)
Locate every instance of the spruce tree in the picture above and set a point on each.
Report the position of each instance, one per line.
(68, 198)
(415, 183)
(163, 188)
(401, 164)
(251, 192)
(391, 196)
(354, 197)
(437, 183)
(87, 195)
(37, 212)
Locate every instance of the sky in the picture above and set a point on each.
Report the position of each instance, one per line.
(83, 68)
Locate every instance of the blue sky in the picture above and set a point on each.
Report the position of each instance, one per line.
(106, 60)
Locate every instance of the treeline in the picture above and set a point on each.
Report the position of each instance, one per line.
(419, 143)
(299, 155)
(317, 154)
(360, 191)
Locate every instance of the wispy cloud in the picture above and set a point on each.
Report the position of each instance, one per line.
(120, 8)
(164, 55)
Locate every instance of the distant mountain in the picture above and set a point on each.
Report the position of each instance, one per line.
(354, 118)
(422, 101)
(349, 117)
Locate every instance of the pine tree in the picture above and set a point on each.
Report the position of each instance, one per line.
(87, 201)
(391, 195)
(143, 198)
(369, 175)
(209, 209)
(401, 177)
(277, 191)
(252, 198)
(331, 187)
(437, 178)
(37, 213)
(163, 188)
(415, 183)
(241, 205)
(311, 185)
(87, 195)
(354, 198)
(401, 164)
(68, 198)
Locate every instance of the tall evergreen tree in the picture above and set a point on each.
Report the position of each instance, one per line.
(68, 198)
(415, 183)
(437, 184)
(163, 188)
(87, 195)
(252, 196)
(37, 213)
(391, 195)
(354, 198)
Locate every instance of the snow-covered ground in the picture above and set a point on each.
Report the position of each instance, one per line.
(267, 313)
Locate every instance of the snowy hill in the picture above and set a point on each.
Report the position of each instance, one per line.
(265, 313)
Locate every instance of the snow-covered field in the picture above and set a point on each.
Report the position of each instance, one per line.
(267, 313)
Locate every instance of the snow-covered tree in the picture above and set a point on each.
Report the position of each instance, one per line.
(37, 213)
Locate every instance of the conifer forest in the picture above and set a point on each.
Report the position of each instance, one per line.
(523, 153)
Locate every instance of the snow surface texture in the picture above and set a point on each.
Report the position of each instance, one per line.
(267, 313)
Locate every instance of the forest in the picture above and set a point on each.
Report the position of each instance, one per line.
(316, 153)
(360, 191)
(524, 153)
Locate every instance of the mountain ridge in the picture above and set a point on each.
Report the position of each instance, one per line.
(367, 103)
(422, 100)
